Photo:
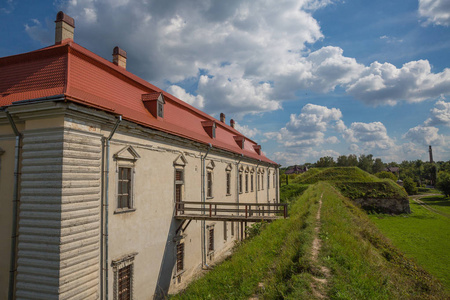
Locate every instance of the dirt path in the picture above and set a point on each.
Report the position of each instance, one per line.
(416, 199)
(319, 284)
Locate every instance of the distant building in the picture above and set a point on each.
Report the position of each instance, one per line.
(393, 170)
(97, 169)
(296, 170)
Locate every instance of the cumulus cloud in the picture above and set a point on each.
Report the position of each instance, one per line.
(387, 84)
(246, 130)
(369, 136)
(424, 135)
(179, 92)
(244, 57)
(435, 12)
(440, 114)
(308, 128)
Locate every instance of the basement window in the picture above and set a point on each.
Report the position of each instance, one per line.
(123, 269)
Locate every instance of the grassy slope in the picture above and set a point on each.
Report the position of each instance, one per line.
(440, 203)
(363, 263)
(335, 175)
(423, 235)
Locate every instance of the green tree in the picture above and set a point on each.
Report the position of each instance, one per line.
(385, 174)
(443, 183)
(366, 162)
(352, 160)
(410, 186)
(325, 162)
(342, 161)
(378, 166)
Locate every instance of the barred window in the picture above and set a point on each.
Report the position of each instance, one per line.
(180, 257)
(232, 228)
(124, 283)
(209, 185)
(179, 182)
(123, 269)
(124, 188)
(225, 236)
(211, 239)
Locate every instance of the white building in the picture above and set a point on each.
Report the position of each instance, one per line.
(94, 159)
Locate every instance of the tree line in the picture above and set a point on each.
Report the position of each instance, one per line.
(414, 174)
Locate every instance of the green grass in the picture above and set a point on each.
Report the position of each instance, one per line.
(384, 189)
(271, 251)
(291, 191)
(440, 203)
(363, 263)
(422, 235)
(335, 175)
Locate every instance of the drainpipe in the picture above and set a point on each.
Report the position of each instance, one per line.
(13, 257)
(268, 184)
(237, 186)
(277, 191)
(203, 223)
(106, 203)
(257, 181)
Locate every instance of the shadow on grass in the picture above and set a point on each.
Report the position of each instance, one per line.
(436, 200)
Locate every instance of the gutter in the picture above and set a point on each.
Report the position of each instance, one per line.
(13, 257)
(203, 197)
(105, 184)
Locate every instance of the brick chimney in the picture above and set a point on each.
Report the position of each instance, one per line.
(222, 117)
(232, 123)
(120, 57)
(65, 27)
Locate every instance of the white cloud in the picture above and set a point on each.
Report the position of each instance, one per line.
(180, 93)
(424, 135)
(386, 84)
(244, 57)
(370, 136)
(435, 12)
(308, 128)
(246, 131)
(440, 114)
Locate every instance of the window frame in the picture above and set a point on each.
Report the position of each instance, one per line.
(117, 265)
(126, 159)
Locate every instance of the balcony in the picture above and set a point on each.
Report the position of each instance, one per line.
(229, 211)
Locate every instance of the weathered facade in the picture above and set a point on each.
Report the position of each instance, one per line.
(93, 161)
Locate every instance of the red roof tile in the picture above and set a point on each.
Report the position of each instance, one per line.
(88, 79)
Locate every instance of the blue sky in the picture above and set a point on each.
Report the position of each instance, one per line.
(305, 79)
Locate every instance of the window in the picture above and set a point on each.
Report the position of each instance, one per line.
(124, 289)
(123, 269)
(232, 228)
(268, 180)
(251, 182)
(125, 188)
(262, 181)
(228, 183)
(125, 168)
(259, 184)
(225, 237)
(246, 182)
(160, 109)
(180, 257)
(240, 182)
(211, 239)
(179, 182)
(209, 185)
(274, 180)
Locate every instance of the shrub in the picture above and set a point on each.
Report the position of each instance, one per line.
(410, 186)
(387, 175)
(443, 183)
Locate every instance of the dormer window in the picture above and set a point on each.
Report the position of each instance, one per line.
(240, 140)
(154, 102)
(257, 149)
(210, 128)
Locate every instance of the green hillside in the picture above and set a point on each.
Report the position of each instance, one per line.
(335, 175)
(278, 263)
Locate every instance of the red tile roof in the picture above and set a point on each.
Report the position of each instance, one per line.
(84, 77)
